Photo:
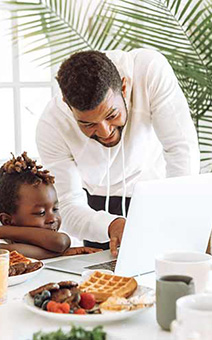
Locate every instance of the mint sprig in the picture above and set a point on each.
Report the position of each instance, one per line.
(75, 333)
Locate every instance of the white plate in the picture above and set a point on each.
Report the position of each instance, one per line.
(88, 318)
(16, 279)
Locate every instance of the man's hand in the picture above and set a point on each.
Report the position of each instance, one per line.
(115, 232)
(80, 250)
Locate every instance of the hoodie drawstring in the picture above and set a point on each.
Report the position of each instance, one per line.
(108, 183)
(123, 202)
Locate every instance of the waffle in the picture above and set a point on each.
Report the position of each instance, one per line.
(102, 286)
(16, 257)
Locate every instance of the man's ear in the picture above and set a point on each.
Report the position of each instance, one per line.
(124, 87)
(5, 219)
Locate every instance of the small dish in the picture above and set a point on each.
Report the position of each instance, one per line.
(17, 279)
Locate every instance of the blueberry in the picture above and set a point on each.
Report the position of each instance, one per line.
(38, 300)
(37, 296)
(46, 295)
(44, 304)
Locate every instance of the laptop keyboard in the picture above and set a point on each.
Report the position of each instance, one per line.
(110, 265)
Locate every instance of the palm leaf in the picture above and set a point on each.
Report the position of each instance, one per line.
(182, 32)
(62, 26)
(204, 130)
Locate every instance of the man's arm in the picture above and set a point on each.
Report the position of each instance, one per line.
(47, 239)
(171, 119)
(29, 250)
(78, 218)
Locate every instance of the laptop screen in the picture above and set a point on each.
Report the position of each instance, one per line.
(165, 215)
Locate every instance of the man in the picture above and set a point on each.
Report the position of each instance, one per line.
(121, 118)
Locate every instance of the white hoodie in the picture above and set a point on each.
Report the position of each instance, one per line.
(159, 138)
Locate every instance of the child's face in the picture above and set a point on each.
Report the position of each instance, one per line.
(37, 207)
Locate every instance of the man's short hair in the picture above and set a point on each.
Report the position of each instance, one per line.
(85, 79)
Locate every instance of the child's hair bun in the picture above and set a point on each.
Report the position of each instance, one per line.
(23, 164)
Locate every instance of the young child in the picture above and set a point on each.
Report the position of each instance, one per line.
(29, 211)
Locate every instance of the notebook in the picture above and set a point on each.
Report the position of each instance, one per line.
(164, 215)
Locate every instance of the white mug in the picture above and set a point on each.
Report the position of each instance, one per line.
(194, 318)
(194, 264)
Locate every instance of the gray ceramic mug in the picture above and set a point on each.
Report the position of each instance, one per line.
(169, 288)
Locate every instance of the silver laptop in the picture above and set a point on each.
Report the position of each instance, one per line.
(164, 215)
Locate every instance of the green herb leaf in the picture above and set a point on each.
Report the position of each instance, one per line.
(75, 333)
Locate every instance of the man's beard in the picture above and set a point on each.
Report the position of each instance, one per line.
(110, 145)
(118, 128)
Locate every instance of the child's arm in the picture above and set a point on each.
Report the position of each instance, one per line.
(44, 238)
(29, 250)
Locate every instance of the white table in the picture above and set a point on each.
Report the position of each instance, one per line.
(18, 323)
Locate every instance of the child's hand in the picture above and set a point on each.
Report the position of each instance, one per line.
(80, 250)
